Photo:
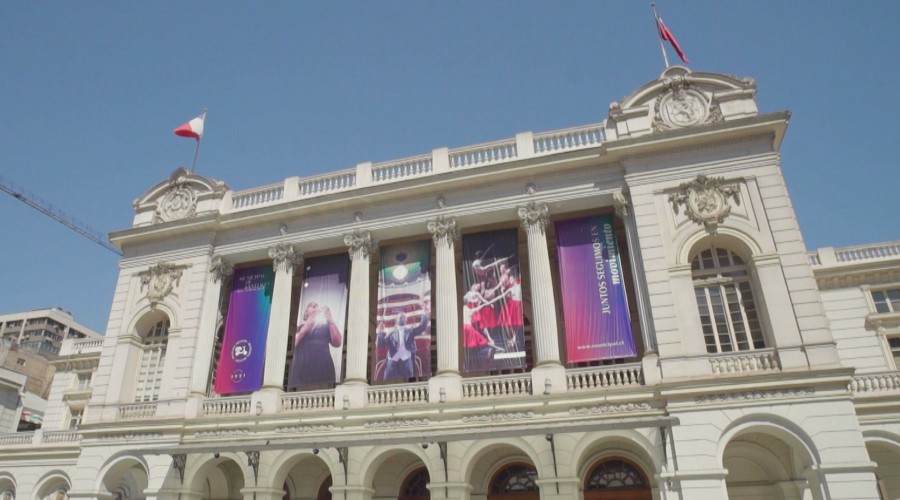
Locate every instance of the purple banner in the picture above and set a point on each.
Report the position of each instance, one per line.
(595, 308)
(243, 355)
(403, 335)
(493, 322)
(319, 333)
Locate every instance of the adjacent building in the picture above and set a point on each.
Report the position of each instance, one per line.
(622, 310)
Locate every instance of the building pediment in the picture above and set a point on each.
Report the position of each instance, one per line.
(680, 98)
(183, 195)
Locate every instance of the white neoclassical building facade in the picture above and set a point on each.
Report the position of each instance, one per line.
(623, 310)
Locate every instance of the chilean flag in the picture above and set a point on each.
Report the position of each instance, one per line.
(664, 34)
(192, 129)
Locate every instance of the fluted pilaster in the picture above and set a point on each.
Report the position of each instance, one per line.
(361, 246)
(219, 271)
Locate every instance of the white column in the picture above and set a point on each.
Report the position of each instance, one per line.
(548, 374)
(352, 393)
(650, 358)
(446, 386)
(219, 269)
(284, 258)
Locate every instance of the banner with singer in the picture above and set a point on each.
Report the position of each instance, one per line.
(243, 355)
(595, 307)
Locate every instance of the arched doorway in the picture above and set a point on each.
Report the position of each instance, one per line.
(324, 489)
(515, 481)
(415, 486)
(616, 479)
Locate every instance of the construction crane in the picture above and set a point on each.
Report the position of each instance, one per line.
(56, 214)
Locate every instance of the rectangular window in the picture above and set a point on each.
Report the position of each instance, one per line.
(886, 301)
(75, 418)
(83, 381)
(894, 343)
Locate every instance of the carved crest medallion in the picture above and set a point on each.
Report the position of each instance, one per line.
(160, 280)
(705, 200)
(683, 106)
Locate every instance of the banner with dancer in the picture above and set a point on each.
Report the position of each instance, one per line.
(403, 332)
(321, 317)
(493, 322)
(242, 360)
(595, 307)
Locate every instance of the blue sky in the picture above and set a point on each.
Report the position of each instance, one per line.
(92, 90)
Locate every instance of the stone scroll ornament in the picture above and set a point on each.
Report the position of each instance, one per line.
(284, 257)
(360, 243)
(705, 200)
(443, 230)
(159, 281)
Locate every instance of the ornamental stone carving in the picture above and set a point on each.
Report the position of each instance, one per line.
(535, 216)
(179, 461)
(498, 417)
(390, 424)
(222, 433)
(755, 395)
(611, 408)
(360, 244)
(705, 200)
(443, 230)
(160, 280)
(683, 106)
(303, 429)
(220, 269)
(179, 203)
(284, 257)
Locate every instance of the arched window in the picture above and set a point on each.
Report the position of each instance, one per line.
(514, 480)
(616, 478)
(728, 311)
(415, 485)
(153, 359)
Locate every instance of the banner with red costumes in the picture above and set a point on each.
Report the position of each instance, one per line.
(403, 333)
(241, 363)
(319, 333)
(493, 322)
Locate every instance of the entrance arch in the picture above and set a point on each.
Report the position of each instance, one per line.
(616, 478)
(415, 486)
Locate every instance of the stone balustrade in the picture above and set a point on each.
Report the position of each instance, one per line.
(327, 184)
(483, 154)
(605, 377)
(856, 254)
(400, 169)
(875, 384)
(258, 196)
(16, 438)
(493, 387)
(239, 405)
(61, 437)
(569, 139)
(308, 401)
(745, 362)
(137, 411)
(399, 394)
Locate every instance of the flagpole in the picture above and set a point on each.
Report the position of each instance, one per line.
(661, 46)
(197, 149)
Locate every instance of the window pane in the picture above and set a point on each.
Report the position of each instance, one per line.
(880, 299)
(721, 322)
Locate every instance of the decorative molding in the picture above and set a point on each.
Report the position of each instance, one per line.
(222, 433)
(440, 203)
(620, 201)
(360, 244)
(391, 424)
(534, 216)
(220, 269)
(160, 280)
(705, 200)
(755, 395)
(303, 429)
(284, 257)
(611, 408)
(130, 436)
(498, 417)
(179, 461)
(443, 230)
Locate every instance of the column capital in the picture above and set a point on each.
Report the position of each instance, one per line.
(360, 243)
(443, 229)
(620, 201)
(284, 257)
(535, 216)
(219, 269)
